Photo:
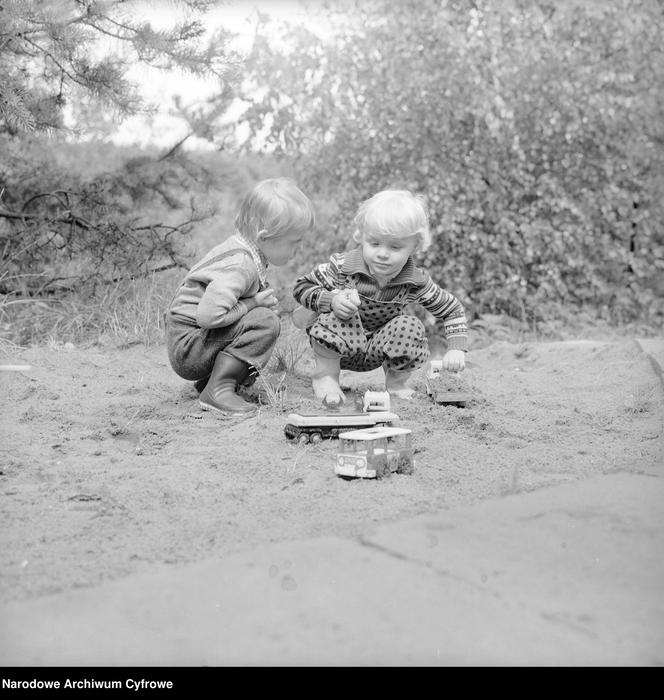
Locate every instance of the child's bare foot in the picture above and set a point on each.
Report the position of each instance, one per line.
(396, 383)
(405, 394)
(325, 378)
(327, 390)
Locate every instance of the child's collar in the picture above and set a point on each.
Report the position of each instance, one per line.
(410, 273)
(257, 255)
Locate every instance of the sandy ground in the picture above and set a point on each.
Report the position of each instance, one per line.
(109, 467)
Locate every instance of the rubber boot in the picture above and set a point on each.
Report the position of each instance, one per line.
(249, 380)
(325, 377)
(219, 394)
(396, 382)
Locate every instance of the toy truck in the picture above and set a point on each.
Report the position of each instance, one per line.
(303, 427)
(442, 395)
(374, 453)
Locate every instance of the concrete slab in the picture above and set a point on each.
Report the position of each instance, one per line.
(586, 556)
(654, 347)
(569, 577)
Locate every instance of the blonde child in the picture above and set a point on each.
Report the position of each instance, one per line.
(221, 326)
(359, 298)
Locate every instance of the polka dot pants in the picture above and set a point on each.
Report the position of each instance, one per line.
(401, 343)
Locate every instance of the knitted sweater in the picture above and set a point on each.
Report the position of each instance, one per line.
(211, 294)
(380, 304)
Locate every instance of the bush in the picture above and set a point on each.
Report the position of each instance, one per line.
(534, 130)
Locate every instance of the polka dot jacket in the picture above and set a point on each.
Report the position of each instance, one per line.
(380, 306)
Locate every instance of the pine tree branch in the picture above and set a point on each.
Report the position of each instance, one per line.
(74, 78)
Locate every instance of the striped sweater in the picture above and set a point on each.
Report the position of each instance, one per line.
(380, 304)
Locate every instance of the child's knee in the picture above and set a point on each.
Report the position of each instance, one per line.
(405, 343)
(415, 328)
(264, 321)
(336, 343)
(346, 337)
(408, 330)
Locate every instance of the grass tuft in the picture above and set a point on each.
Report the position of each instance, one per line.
(124, 313)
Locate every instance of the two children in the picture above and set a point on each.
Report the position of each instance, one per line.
(221, 326)
(360, 295)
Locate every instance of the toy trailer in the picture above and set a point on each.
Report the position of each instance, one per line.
(449, 398)
(374, 453)
(303, 427)
(440, 395)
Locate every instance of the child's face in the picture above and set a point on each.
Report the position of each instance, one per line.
(384, 255)
(281, 250)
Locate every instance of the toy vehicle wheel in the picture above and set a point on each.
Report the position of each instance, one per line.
(303, 439)
(382, 471)
(405, 466)
(316, 438)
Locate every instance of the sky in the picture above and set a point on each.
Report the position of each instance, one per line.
(158, 88)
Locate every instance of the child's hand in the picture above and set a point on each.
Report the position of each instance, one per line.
(454, 360)
(266, 298)
(345, 303)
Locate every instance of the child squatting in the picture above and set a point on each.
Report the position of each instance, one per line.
(221, 326)
(358, 299)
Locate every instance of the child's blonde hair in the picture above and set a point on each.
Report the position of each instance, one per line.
(397, 213)
(274, 207)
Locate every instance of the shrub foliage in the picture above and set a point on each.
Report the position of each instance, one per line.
(535, 130)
